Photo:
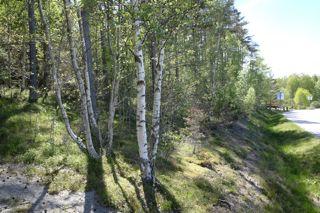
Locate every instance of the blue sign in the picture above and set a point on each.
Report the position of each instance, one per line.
(280, 96)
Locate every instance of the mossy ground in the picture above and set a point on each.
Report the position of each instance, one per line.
(285, 174)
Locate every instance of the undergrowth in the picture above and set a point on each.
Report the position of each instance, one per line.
(189, 181)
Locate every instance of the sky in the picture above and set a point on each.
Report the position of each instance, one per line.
(287, 32)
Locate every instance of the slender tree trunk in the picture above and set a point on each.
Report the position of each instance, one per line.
(196, 62)
(54, 72)
(155, 130)
(106, 42)
(141, 99)
(88, 65)
(45, 81)
(33, 96)
(156, 62)
(75, 66)
(215, 65)
(104, 33)
(112, 109)
(145, 163)
(23, 68)
(153, 58)
(115, 88)
(116, 78)
(106, 48)
(89, 62)
(9, 60)
(104, 61)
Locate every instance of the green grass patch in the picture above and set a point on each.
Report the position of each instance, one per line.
(294, 183)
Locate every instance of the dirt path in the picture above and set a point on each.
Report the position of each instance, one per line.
(19, 193)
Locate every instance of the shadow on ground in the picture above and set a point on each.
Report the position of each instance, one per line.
(294, 169)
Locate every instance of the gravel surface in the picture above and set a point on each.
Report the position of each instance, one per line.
(18, 193)
(307, 119)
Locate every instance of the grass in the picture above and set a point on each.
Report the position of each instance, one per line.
(293, 166)
(34, 135)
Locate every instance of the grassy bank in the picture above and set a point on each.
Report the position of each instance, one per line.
(266, 163)
(293, 168)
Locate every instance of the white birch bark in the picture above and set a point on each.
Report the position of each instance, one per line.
(54, 74)
(114, 90)
(155, 130)
(141, 98)
(116, 72)
(85, 117)
(112, 109)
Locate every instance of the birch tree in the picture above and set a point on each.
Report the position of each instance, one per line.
(155, 130)
(141, 97)
(112, 106)
(54, 73)
(88, 72)
(114, 90)
(81, 85)
(87, 51)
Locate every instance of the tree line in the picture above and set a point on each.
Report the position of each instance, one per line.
(144, 64)
(300, 91)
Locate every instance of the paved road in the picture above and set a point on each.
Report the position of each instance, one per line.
(307, 119)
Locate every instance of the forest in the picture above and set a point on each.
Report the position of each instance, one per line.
(157, 106)
(297, 89)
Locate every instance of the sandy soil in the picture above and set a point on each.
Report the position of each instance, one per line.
(18, 193)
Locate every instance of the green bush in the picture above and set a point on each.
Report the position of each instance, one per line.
(301, 98)
(168, 141)
(315, 105)
(250, 101)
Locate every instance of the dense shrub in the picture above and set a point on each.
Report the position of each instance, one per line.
(250, 101)
(315, 105)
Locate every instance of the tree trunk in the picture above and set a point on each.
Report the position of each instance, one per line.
(104, 61)
(145, 164)
(115, 86)
(141, 99)
(112, 109)
(153, 58)
(155, 130)
(33, 96)
(75, 66)
(106, 48)
(87, 60)
(88, 57)
(54, 72)
(215, 62)
(23, 68)
(45, 81)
